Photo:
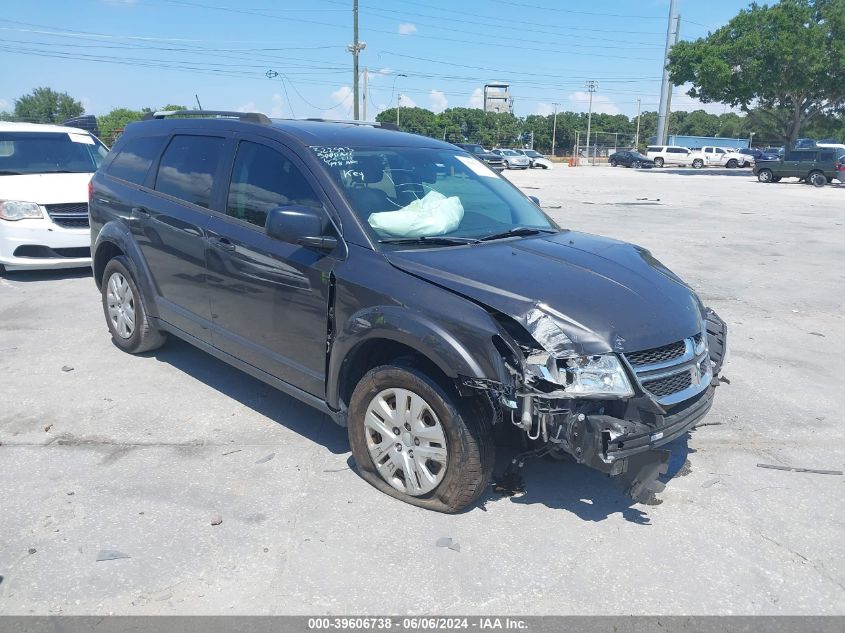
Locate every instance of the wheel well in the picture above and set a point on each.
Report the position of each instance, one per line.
(375, 352)
(105, 253)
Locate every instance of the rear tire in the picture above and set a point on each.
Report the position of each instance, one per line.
(658, 162)
(817, 179)
(384, 399)
(732, 164)
(637, 164)
(697, 163)
(126, 317)
(765, 175)
(613, 163)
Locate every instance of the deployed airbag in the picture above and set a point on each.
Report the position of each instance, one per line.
(433, 214)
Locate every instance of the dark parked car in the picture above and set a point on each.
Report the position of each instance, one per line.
(759, 154)
(493, 161)
(630, 159)
(815, 166)
(362, 270)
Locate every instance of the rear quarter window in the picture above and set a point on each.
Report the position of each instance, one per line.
(134, 159)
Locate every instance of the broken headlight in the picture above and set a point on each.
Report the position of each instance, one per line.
(582, 376)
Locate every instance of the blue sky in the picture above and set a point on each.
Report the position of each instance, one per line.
(135, 53)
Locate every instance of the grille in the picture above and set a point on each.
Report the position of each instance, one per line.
(657, 354)
(71, 216)
(670, 384)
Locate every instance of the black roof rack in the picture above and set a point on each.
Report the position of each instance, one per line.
(386, 126)
(251, 117)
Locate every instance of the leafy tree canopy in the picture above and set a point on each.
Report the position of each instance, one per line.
(45, 105)
(786, 60)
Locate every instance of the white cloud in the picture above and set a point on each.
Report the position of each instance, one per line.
(5, 104)
(544, 109)
(277, 108)
(438, 100)
(407, 102)
(387, 70)
(249, 106)
(342, 97)
(406, 28)
(476, 100)
(580, 103)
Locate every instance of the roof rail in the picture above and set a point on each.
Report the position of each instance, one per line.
(251, 117)
(386, 126)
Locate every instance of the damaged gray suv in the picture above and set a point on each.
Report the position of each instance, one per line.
(402, 287)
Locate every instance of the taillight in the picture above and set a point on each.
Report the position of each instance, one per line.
(90, 191)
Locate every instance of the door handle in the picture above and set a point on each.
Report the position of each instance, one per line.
(223, 243)
(140, 212)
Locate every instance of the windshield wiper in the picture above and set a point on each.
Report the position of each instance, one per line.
(441, 240)
(514, 232)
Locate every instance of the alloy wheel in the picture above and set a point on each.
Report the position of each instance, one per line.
(406, 441)
(121, 306)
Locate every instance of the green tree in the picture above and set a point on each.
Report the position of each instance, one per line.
(112, 124)
(787, 60)
(45, 105)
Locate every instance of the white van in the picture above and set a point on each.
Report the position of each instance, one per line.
(44, 175)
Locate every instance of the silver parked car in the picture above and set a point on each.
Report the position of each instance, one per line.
(513, 159)
(535, 158)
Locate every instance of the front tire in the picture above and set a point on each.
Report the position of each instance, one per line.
(419, 442)
(697, 163)
(613, 163)
(126, 317)
(765, 175)
(732, 164)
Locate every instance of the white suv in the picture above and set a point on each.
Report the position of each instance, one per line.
(44, 175)
(669, 155)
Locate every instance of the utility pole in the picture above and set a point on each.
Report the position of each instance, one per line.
(591, 87)
(355, 48)
(554, 129)
(666, 86)
(364, 95)
(637, 137)
(669, 100)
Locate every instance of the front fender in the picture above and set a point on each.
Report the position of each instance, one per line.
(116, 233)
(467, 353)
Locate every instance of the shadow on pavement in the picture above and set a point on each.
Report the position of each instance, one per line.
(586, 493)
(706, 171)
(28, 276)
(251, 392)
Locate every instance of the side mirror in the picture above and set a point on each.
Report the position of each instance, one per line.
(535, 200)
(297, 224)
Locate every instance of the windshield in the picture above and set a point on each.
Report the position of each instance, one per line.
(508, 152)
(475, 149)
(49, 152)
(532, 153)
(409, 192)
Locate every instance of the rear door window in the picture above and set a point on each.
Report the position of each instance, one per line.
(827, 156)
(188, 167)
(135, 158)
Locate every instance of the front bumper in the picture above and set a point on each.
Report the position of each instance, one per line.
(41, 244)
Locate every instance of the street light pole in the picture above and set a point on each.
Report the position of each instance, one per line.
(637, 137)
(554, 129)
(398, 105)
(591, 86)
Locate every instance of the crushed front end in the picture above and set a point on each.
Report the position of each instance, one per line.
(613, 411)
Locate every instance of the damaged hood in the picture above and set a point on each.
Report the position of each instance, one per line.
(571, 291)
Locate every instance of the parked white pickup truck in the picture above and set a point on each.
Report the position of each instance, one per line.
(719, 156)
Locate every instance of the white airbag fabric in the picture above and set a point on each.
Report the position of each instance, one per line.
(433, 214)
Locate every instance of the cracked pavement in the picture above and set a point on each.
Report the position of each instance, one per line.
(140, 454)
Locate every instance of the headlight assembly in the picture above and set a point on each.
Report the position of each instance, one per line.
(13, 210)
(601, 376)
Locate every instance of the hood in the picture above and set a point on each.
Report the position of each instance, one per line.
(45, 188)
(602, 294)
